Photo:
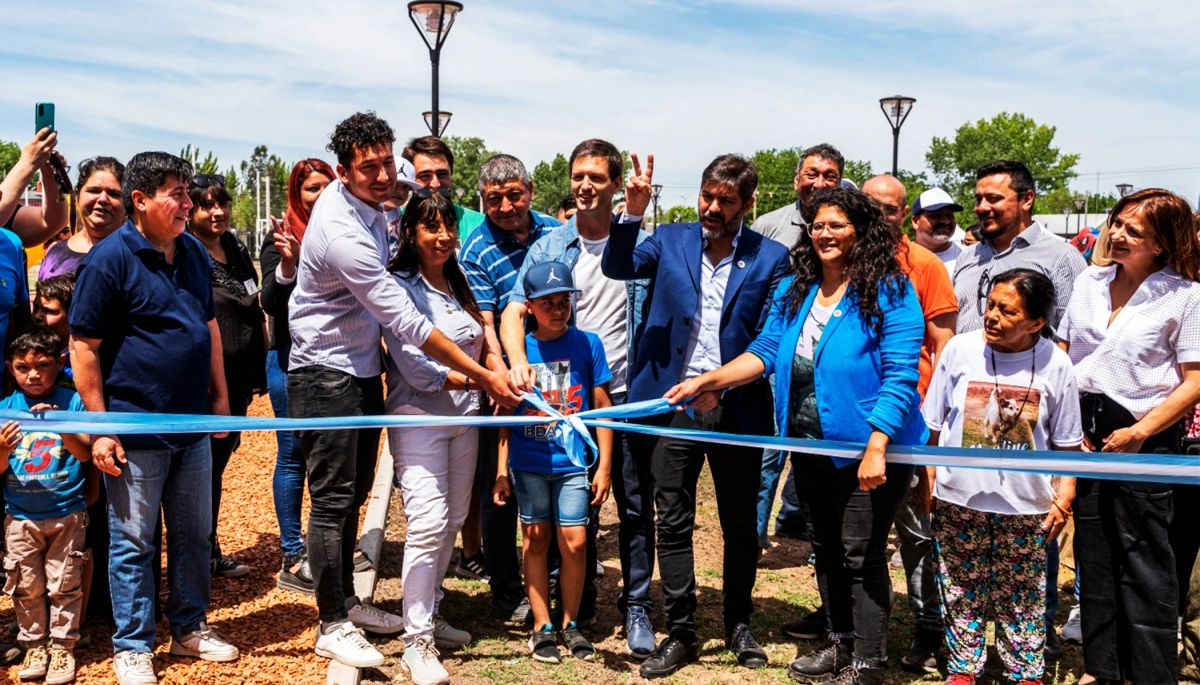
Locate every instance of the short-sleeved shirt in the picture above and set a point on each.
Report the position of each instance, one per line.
(14, 288)
(468, 221)
(491, 259)
(151, 318)
(935, 292)
(1034, 248)
(1135, 360)
(44, 480)
(985, 399)
(784, 225)
(60, 259)
(567, 369)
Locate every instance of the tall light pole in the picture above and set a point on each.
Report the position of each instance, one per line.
(434, 21)
(896, 109)
(657, 188)
(1124, 188)
(1078, 212)
(1066, 221)
(460, 192)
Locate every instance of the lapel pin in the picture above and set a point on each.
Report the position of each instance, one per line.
(741, 264)
(837, 312)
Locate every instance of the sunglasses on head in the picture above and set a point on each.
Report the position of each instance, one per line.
(206, 180)
(426, 193)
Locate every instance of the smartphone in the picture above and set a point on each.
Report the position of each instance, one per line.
(43, 116)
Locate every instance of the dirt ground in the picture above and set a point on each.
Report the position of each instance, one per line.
(275, 629)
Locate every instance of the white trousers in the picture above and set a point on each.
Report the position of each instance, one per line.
(436, 471)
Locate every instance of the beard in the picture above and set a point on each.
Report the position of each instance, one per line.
(726, 228)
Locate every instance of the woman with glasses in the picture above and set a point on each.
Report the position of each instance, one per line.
(101, 213)
(843, 339)
(278, 260)
(1005, 387)
(242, 325)
(1132, 330)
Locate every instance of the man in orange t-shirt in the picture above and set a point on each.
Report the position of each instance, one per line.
(940, 307)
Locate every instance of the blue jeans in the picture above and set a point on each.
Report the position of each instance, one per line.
(180, 481)
(563, 498)
(287, 486)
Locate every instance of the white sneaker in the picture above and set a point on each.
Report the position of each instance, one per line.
(347, 644)
(446, 635)
(1072, 631)
(375, 620)
(421, 663)
(204, 644)
(135, 668)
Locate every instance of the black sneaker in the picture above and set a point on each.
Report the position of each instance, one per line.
(671, 655)
(857, 676)
(225, 567)
(471, 567)
(922, 656)
(575, 642)
(1054, 648)
(361, 561)
(827, 661)
(301, 581)
(810, 627)
(544, 645)
(742, 643)
(513, 607)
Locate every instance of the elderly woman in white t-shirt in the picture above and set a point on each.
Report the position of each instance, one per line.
(1132, 330)
(1006, 387)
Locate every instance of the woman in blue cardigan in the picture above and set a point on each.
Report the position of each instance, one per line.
(843, 338)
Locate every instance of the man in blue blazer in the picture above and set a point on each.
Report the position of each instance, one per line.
(709, 297)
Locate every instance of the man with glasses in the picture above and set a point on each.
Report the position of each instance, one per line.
(491, 256)
(433, 163)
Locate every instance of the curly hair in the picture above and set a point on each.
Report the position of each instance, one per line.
(359, 132)
(872, 262)
(428, 211)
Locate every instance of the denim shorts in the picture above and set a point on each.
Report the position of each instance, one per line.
(563, 497)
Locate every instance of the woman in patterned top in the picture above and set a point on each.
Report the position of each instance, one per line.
(1132, 330)
(243, 329)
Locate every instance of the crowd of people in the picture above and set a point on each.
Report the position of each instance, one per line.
(821, 320)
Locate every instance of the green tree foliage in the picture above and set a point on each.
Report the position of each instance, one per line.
(9, 154)
(1058, 199)
(678, 214)
(1006, 136)
(776, 176)
(208, 165)
(857, 171)
(551, 183)
(272, 171)
(469, 155)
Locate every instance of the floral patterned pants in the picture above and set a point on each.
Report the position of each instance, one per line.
(992, 565)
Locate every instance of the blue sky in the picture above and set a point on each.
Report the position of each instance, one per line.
(684, 80)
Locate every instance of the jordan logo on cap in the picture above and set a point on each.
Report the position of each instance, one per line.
(552, 278)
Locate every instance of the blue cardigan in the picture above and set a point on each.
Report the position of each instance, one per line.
(864, 380)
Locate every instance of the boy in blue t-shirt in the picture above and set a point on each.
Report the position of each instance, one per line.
(51, 303)
(572, 375)
(47, 518)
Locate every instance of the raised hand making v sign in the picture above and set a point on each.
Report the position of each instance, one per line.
(638, 189)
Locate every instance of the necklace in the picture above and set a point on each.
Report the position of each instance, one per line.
(1028, 390)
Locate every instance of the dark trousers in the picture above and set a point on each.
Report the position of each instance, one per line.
(791, 515)
(1128, 593)
(633, 490)
(499, 524)
(849, 529)
(341, 470)
(1185, 536)
(222, 450)
(737, 473)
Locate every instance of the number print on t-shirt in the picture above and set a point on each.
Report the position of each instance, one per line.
(1000, 416)
(554, 382)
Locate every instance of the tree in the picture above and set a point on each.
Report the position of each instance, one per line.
(9, 154)
(857, 171)
(208, 165)
(273, 172)
(1058, 199)
(679, 213)
(1006, 136)
(776, 176)
(469, 156)
(551, 183)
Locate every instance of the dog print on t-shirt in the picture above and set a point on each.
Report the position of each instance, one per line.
(998, 415)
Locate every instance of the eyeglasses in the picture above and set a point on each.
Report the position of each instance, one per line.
(206, 180)
(982, 290)
(426, 193)
(835, 228)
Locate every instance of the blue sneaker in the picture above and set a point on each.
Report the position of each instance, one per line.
(639, 634)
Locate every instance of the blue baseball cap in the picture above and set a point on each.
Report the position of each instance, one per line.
(548, 278)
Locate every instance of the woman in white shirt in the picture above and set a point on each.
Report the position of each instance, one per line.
(1132, 330)
(1006, 387)
(435, 466)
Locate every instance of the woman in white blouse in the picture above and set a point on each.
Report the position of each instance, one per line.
(435, 465)
(1133, 332)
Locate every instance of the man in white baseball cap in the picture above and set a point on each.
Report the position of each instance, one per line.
(935, 227)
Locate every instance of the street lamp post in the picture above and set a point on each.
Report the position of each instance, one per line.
(434, 21)
(1066, 220)
(657, 188)
(896, 109)
(1078, 212)
(460, 192)
(1124, 188)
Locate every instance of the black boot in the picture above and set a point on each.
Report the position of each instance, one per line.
(823, 663)
(922, 656)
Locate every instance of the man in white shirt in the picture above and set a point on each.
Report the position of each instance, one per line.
(934, 225)
(612, 309)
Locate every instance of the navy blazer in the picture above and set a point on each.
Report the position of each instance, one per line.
(671, 257)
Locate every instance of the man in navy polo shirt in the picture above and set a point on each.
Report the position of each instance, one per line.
(143, 339)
